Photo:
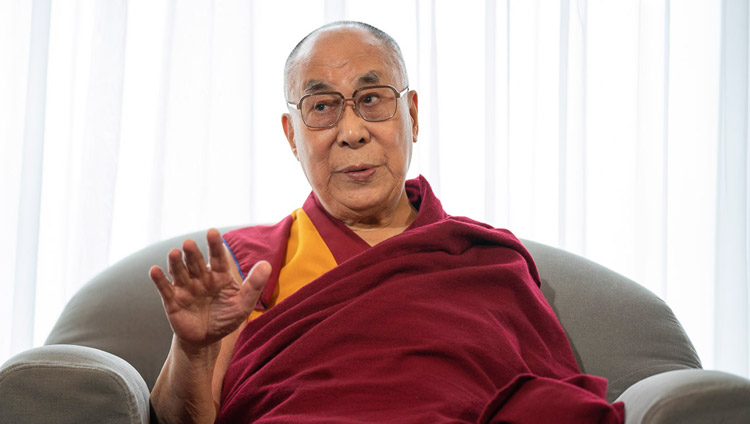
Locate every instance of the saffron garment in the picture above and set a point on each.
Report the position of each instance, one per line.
(307, 257)
(442, 323)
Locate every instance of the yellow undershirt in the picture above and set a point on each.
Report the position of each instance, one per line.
(307, 258)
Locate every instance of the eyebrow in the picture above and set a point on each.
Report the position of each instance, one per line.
(316, 85)
(371, 77)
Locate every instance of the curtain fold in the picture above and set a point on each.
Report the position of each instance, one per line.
(490, 102)
(617, 131)
(29, 199)
(731, 284)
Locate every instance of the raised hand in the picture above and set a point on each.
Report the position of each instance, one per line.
(205, 302)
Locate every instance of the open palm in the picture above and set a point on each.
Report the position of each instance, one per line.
(205, 302)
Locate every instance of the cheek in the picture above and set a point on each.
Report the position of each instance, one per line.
(403, 145)
(313, 156)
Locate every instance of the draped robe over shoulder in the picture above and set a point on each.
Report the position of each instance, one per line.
(442, 323)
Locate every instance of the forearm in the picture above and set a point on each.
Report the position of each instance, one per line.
(183, 392)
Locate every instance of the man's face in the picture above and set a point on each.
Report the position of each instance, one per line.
(356, 168)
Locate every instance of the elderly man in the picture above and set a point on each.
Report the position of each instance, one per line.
(369, 303)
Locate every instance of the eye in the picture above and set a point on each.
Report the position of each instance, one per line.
(325, 105)
(370, 98)
(322, 106)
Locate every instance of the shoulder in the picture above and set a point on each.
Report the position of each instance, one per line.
(248, 245)
(258, 234)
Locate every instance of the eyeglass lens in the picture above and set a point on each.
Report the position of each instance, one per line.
(323, 110)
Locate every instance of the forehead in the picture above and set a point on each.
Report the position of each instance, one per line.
(343, 59)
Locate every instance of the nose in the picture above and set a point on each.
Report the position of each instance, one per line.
(352, 128)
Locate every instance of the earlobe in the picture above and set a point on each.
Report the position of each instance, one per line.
(413, 109)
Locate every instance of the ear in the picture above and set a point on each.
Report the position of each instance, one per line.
(286, 123)
(413, 107)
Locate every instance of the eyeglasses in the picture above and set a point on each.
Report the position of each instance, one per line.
(373, 103)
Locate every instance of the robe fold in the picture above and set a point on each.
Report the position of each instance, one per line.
(442, 323)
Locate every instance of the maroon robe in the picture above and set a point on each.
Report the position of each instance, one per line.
(442, 323)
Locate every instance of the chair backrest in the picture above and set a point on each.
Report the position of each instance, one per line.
(617, 329)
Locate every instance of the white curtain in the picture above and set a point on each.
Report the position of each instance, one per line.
(617, 130)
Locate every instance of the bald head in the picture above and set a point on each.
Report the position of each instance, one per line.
(387, 43)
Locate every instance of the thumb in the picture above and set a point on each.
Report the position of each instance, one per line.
(253, 285)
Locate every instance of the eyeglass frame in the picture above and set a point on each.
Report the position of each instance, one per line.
(298, 105)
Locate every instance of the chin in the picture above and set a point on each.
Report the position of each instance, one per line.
(363, 205)
(363, 199)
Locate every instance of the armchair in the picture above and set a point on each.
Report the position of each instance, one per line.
(109, 344)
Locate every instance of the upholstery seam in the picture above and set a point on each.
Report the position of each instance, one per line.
(666, 367)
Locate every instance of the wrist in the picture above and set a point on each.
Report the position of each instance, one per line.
(196, 353)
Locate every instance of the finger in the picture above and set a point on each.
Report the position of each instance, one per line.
(217, 252)
(253, 285)
(166, 290)
(196, 265)
(177, 268)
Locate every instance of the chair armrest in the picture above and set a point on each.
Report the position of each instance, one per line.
(688, 396)
(68, 383)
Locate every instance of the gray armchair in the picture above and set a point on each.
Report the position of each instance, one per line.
(108, 346)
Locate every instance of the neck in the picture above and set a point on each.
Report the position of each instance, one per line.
(387, 225)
